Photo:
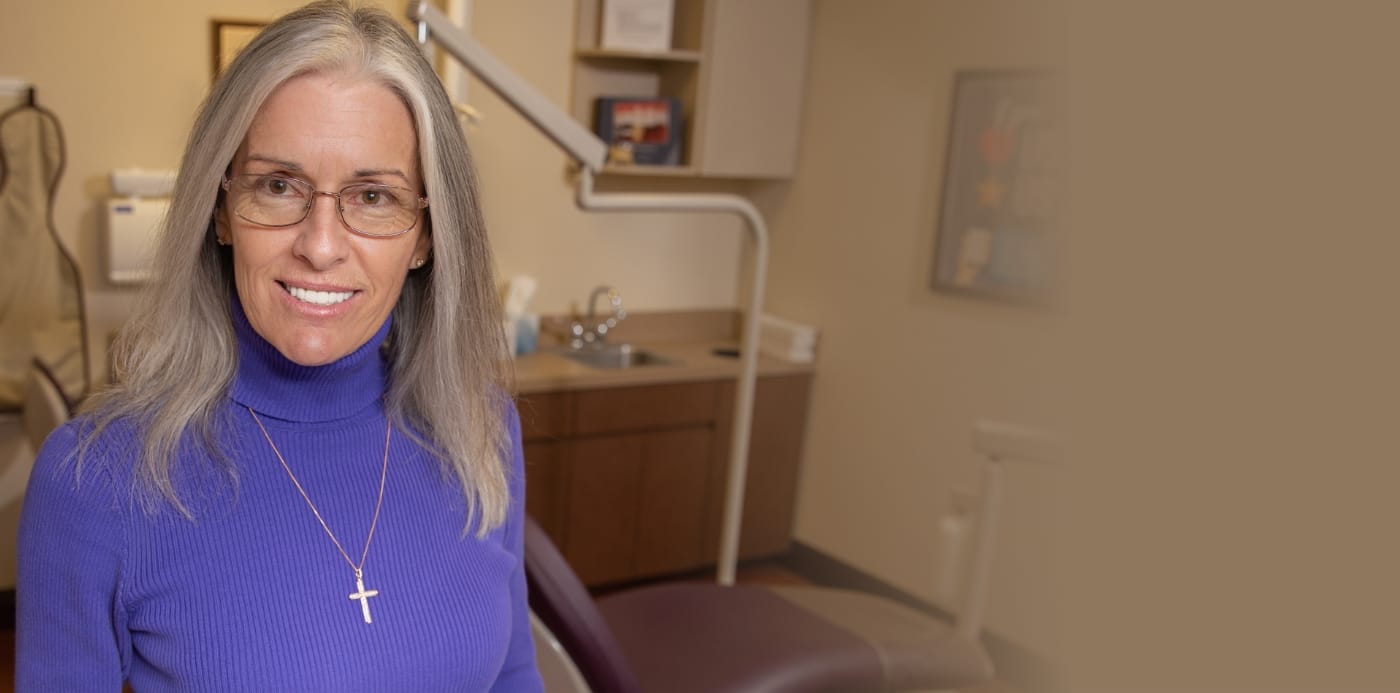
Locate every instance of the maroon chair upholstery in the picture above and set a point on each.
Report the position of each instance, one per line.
(700, 637)
(560, 600)
(707, 638)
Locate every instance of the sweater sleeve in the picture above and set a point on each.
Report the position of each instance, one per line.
(71, 626)
(519, 673)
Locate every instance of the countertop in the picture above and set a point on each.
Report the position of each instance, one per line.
(548, 370)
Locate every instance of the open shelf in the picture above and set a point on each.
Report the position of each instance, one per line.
(735, 67)
(638, 170)
(658, 56)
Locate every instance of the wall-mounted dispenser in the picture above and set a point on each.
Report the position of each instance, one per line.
(133, 219)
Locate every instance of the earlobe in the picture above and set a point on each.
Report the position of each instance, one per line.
(220, 225)
(421, 251)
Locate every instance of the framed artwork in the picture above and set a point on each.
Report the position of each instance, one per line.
(1000, 186)
(637, 25)
(230, 36)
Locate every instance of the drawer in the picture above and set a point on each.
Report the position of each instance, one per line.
(640, 408)
(544, 416)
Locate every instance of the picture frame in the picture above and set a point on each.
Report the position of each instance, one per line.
(230, 36)
(637, 25)
(1000, 191)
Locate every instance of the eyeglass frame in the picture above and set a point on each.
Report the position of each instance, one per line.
(227, 181)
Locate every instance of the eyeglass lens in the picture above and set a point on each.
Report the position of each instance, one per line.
(367, 208)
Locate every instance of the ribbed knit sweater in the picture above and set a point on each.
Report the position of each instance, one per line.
(252, 595)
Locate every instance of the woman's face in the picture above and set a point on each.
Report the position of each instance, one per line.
(316, 290)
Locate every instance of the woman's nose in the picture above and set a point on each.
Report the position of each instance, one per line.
(323, 238)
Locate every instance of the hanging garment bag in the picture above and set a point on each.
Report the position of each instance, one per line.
(41, 308)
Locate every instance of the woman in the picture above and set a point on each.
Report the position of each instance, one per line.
(308, 476)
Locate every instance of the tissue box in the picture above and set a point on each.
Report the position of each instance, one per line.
(787, 340)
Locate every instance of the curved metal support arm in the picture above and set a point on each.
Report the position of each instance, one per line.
(748, 349)
(576, 140)
(591, 152)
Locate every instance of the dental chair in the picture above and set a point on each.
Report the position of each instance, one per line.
(709, 638)
(44, 408)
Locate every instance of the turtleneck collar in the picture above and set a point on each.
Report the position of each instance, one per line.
(275, 386)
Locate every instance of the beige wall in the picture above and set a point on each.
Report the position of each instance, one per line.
(666, 261)
(125, 79)
(903, 372)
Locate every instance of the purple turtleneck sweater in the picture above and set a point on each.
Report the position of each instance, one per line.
(252, 595)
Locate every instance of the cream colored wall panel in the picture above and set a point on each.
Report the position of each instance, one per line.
(752, 87)
(902, 372)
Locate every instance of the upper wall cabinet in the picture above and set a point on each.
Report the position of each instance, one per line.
(736, 67)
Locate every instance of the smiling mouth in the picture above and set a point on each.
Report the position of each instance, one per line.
(318, 298)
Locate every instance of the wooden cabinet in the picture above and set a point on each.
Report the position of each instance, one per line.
(738, 69)
(775, 461)
(605, 486)
(629, 482)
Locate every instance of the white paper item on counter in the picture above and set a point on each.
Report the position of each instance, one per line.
(787, 340)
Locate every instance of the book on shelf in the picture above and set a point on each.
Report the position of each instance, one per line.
(640, 131)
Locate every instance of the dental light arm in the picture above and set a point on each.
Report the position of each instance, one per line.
(591, 153)
(576, 140)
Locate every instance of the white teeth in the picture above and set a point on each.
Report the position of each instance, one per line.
(320, 298)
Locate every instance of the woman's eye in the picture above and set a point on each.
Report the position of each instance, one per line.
(275, 186)
(376, 197)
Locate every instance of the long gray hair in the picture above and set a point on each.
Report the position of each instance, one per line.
(448, 374)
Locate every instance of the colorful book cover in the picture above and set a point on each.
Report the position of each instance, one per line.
(644, 132)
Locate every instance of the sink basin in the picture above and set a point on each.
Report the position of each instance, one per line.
(615, 356)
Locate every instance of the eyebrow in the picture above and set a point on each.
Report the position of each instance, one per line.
(283, 163)
(370, 172)
(358, 173)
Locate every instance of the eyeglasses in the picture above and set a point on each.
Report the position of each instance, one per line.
(369, 209)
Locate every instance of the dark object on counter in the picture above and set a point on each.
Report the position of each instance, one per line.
(726, 352)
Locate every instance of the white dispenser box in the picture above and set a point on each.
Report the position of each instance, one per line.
(787, 340)
(134, 219)
(132, 224)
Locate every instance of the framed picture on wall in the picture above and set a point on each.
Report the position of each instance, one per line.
(229, 37)
(1001, 186)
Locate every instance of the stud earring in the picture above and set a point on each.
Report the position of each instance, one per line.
(418, 263)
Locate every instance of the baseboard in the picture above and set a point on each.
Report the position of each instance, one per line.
(1023, 669)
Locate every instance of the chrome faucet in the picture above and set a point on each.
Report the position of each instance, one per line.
(591, 331)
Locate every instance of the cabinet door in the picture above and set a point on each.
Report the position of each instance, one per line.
(636, 504)
(675, 480)
(605, 476)
(775, 459)
(752, 83)
(546, 487)
(543, 416)
(631, 409)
